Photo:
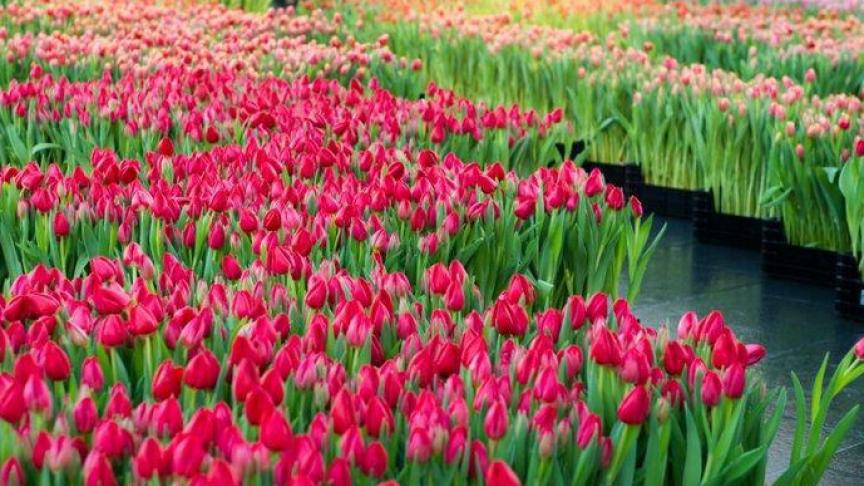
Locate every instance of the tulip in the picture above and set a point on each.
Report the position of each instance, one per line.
(375, 460)
(12, 473)
(755, 353)
(56, 362)
(111, 439)
(634, 367)
(674, 358)
(605, 348)
(165, 147)
(339, 473)
(276, 432)
(496, 422)
(12, 407)
(188, 455)
(859, 350)
(379, 418)
(109, 300)
(97, 470)
(342, 412)
(231, 268)
(85, 414)
(711, 388)
(734, 381)
(259, 406)
(635, 406)
(500, 474)
(61, 225)
(594, 185)
(91, 373)
(202, 371)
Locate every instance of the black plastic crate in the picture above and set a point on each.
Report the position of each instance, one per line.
(623, 175)
(790, 262)
(663, 201)
(849, 298)
(716, 228)
(575, 149)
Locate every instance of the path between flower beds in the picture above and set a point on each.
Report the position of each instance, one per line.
(795, 322)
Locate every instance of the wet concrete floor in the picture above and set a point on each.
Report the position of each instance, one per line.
(795, 322)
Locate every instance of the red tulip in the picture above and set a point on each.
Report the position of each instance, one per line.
(12, 407)
(12, 473)
(636, 206)
(634, 367)
(598, 307)
(248, 221)
(56, 362)
(496, 422)
(165, 147)
(91, 373)
(594, 185)
(187, 455)
(109, 300)
(375, 460)
(167, 419)
(259, 406)
(605, 348)
(97, 470)
(339, 473)
(316, 293)
(734, 381)
(276, 432)
(859, 350)
(61, 225)
(509, 319)
(342, 412)
(85, 414)
(635, 406)
(500, 474)
(212, 136)
(711, 388)
(379, 418)
(755, 353)
(202, 371)
(142, 322)
(148, 460)
(111, 439)
(273, 220)
(30, 306)
(674, 358)
(614, 197)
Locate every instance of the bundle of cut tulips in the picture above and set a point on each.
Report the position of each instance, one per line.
(229, 255)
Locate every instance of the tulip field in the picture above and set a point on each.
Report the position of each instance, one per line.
(346, 242)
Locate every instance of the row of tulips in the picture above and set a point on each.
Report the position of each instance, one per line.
(397, 197)
(752, 40)
(123, 375)
(685, 125)
(49, 117)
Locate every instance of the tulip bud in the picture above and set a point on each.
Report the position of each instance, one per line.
(734, 381)
(91, 373)
(500, 474)
(635, 406)
(61, 225)
(276, 432)
(165, 147)
(56, 362)
(202, 371)
(375, 460)
(496, 422)
(85, 414)
(711, 388)
(859, 350)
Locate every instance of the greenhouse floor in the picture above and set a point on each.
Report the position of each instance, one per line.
(795, 322)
